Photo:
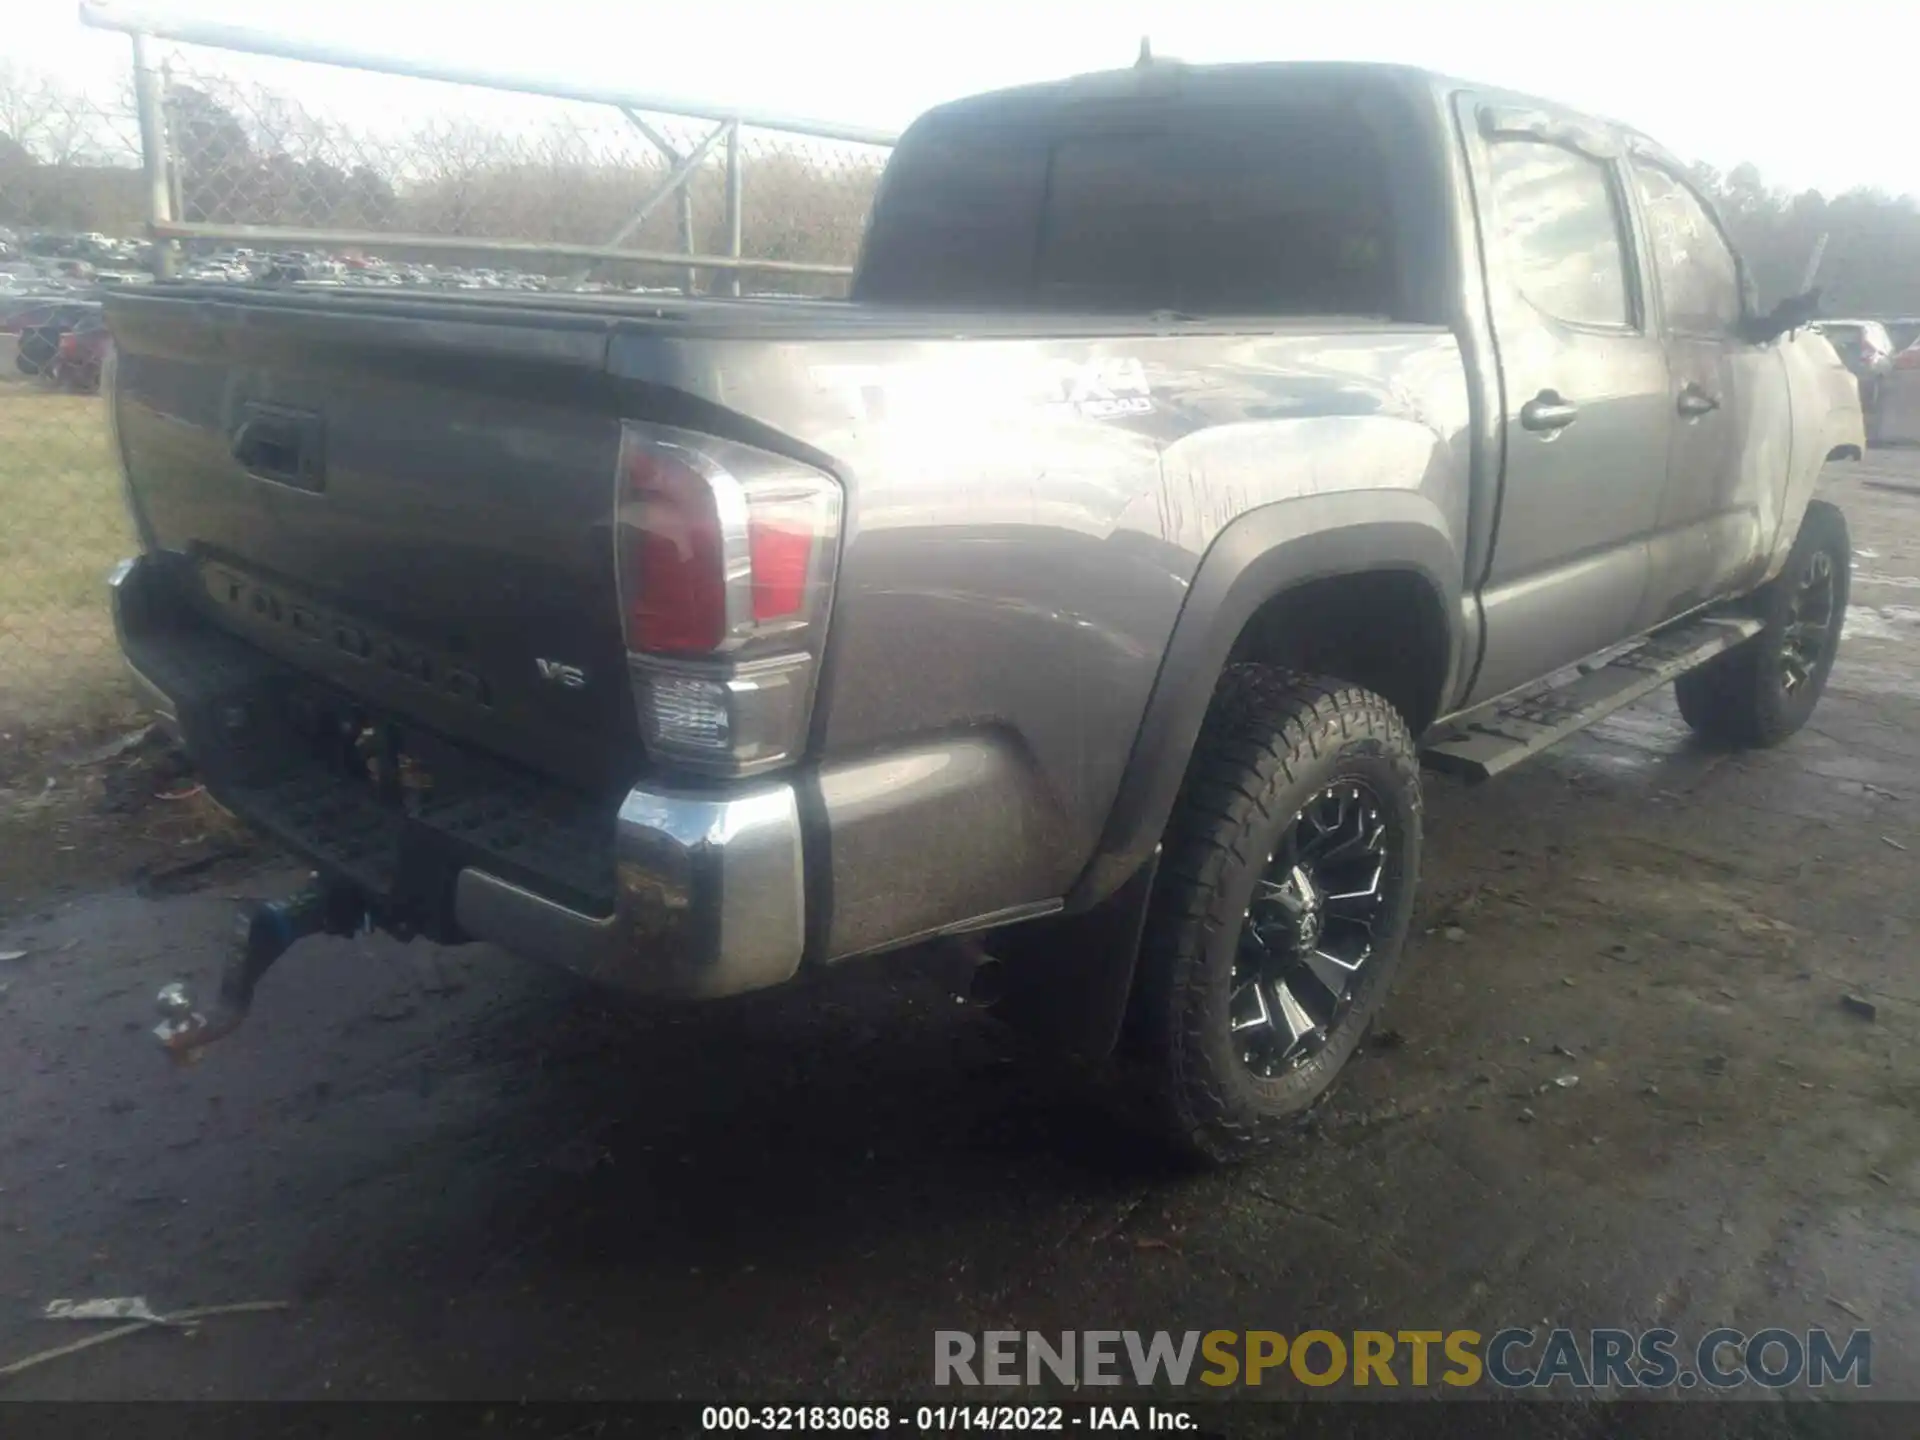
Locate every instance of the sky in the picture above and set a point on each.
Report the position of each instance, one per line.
(1713, 81)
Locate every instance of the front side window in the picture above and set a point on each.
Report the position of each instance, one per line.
(1560, 224)
(1699, 277)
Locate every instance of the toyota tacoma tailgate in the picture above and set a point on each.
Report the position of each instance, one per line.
(416, 510)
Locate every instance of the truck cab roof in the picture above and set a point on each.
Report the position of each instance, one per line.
(1160, 79)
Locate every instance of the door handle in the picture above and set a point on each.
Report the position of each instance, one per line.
(1547, 412)
(281, 445)
(1695, 402)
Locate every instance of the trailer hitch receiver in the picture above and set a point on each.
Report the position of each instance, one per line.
(263, 932)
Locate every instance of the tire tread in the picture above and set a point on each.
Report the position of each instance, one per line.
(1266, 729)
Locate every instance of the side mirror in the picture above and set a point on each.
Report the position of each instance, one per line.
(1789, 315)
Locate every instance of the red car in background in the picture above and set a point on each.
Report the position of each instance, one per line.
(42, 324)
(79, 355)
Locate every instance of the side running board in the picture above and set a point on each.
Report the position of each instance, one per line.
(1485, 742)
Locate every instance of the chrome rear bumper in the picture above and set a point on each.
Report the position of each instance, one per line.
(710, 899)
(708, 892)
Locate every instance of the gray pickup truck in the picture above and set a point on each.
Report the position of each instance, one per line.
(1200, 450)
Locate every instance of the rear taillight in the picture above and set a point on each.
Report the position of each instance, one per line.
(726, 556)
(1907, 360)
(69, 345)
(673, 578)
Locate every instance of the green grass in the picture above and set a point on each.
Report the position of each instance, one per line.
(62, 527)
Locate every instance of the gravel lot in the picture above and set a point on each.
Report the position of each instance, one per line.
(471, 1178)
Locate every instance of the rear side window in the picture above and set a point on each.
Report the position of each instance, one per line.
(1699, 277)
(954, 220)
(1251, 209)
(1561, 227)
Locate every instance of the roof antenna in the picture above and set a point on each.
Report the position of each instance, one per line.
(1146, 53)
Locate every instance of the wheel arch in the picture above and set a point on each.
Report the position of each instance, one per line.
(1283, 561)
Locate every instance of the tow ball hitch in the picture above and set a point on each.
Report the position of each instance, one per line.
(263, 932)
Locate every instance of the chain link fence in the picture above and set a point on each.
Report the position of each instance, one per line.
(70, 187)
(258, 168)
(352, 176)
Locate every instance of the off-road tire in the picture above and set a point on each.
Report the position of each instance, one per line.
(1739, 698)
(1272, 740)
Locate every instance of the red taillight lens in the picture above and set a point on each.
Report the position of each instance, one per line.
(726, 556)
(69, 345)
(781, 542)
(673, 575)
(723, 549)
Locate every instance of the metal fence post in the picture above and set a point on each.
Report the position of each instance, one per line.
(692, 281)
(735, 181)
(154, 158)
(678, 177)
(174, 183)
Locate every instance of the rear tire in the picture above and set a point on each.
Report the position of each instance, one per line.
(1760, 693)
(1287, 872)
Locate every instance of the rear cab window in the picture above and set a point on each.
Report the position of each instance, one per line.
(1300, 198)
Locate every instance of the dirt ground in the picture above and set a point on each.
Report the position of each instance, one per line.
(472, 1178)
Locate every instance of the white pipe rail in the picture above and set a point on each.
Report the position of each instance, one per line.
(138, 19)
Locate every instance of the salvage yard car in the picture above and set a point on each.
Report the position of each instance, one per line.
(1867, 350)
(1200, 450)
(41, 323)
(1899, 414)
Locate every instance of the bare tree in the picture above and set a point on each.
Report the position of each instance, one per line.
(53, 123)
(1871, 264)
(23, 104)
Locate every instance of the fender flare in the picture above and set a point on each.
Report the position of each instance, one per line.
(1258, 556)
